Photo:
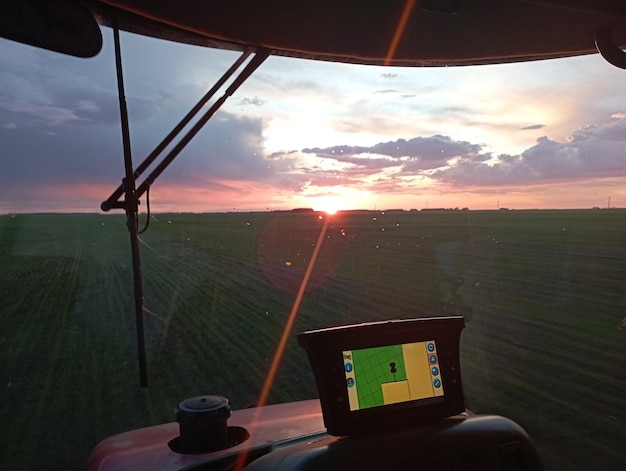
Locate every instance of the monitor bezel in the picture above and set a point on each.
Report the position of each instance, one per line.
(325, 349)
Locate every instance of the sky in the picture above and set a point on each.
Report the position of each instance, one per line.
(300, 133)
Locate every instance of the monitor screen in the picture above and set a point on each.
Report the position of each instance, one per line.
(391, 374)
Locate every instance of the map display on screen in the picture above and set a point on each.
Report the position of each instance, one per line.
(391, 374)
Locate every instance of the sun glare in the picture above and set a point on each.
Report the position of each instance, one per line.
(331, 203)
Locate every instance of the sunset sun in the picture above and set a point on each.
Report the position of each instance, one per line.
(340, 200)
(329, 205)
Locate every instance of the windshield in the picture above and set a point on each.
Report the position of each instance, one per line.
(492, 192)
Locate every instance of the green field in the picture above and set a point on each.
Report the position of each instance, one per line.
(543, 293)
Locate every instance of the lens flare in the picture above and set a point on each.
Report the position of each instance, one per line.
(269, 379)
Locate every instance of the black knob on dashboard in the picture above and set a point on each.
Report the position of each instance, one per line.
(203, 424)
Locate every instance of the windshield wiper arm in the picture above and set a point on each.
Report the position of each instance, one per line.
(128, 188)
(113, 201)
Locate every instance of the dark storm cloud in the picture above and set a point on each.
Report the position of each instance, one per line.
(532, 127)
(591, 152)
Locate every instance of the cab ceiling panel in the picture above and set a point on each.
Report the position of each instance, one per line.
(400, 32)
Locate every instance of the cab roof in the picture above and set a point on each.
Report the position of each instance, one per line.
(377, 32)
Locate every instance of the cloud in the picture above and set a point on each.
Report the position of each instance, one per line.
(360, 162)
(418, 153)
(256, 101)
(41, 94)
(282, 154)
(60, 133)
(591, 152)
(321, 178)
(229, 147)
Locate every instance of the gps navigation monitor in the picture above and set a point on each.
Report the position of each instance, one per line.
(384, 375)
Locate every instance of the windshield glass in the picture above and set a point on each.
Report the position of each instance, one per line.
(492, 192)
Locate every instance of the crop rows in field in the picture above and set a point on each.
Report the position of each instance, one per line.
(542, 293)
